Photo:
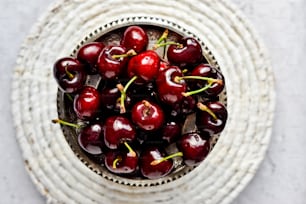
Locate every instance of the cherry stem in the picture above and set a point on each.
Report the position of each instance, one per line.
(148, 106)
(163, 36)
(184, 71)
(210, 81)
(118, 159)
(198, 90)
(69, 97)
(131, 151)
(123, 91)
(129, 53)
(203, 107)
(59, 121)
(158, 161)
(165, 44)
(69, 74)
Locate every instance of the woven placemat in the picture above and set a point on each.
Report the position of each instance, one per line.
(63, 178)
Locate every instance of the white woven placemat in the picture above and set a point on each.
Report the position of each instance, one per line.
(58, 173)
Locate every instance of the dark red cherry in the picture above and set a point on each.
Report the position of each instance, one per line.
(211, 117)
(87, 103)
(186, 106)
(206, 70)
(121, 162)
(112, 61)
(144, 65)
(147, 115)
(109, 97)
(194, 148)
(117, 130)
(135, 38)
(69, 74)
(169, 89)
(186, 54)
(151, 170)
(143, 92)
(90, 138)
(171, 131)
(88, 54)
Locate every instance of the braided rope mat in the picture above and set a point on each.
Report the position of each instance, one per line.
(58, 173)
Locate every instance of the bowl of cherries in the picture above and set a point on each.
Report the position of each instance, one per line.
(141, 103)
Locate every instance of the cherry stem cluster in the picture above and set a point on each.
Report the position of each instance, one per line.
(161, 42)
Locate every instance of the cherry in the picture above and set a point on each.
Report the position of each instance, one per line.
(144, 65)
(69, 74)
(206, 70)
(211, 117)
(194, 148)
(109, 97)
(153, 165)
(118, 130)
(89, 54)
(90, 138)
(87, 103)
(169, 90)
(186, 106)
(147, 115)
(186, 54)
(171, 131)
(143, 92)
(135, 38)
(112, 61)
(121, 162)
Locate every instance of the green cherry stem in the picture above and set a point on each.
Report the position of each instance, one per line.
(165, 44)
(198, 90)
(163, 37)
(158, 161)
(69, 97)
(132, 153)
(69, 74)
(118, 159)
(184, 71)
(210, 81)
(59, 121)
(203, 107)
(122, 98)
(129, 53)
(123, 91)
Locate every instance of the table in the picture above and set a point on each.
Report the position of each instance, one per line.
(282, 26)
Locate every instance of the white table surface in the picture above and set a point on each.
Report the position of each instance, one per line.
(281, 178)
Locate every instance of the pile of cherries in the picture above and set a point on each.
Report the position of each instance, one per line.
(142, 103)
